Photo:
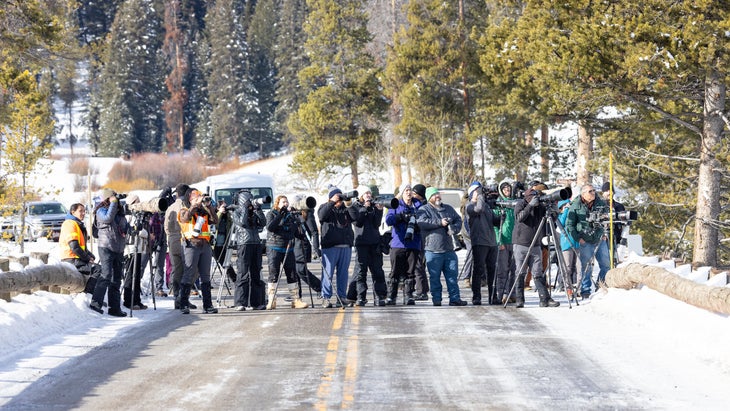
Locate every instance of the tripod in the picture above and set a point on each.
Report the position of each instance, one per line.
(138, 242)
(223, 268)
(552, 222)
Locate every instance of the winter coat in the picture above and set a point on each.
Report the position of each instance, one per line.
(481, 221)
(282, 227)
(336, 226)
(172, 227)
(248, 224)
(577, 225)
(397, 218)
(113, 227)
(436, 238)
(566, 241)
(367, 223)
(507, 216)
(527, 220)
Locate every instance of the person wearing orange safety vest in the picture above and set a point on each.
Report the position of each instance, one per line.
(195, 223)
(73, 249)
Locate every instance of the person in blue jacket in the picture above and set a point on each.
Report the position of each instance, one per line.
(405, 247)
(569, 248)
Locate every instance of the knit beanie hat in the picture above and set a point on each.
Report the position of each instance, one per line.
(431, 191)
(420, 189)
(333, 191)
(362, 189)
(106, 193)
(475, 185)
(404, 187)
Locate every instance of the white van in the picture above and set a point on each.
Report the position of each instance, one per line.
(224, 187)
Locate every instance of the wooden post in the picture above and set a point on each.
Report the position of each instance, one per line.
(5, 267)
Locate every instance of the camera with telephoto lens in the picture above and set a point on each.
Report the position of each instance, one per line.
(554, 195)
(491, 194)
(155, 205)
(262, 200)
(411, 227)
(387, 201)
(603, 216)
(349, 195)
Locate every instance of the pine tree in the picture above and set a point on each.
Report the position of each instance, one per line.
(340, 121)
(434, 68)
(132, 82)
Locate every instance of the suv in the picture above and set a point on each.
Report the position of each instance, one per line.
(42, 219)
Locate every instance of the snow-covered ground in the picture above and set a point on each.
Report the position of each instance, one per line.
(659, 345)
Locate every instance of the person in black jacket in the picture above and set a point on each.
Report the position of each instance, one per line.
(367, 216)
(336, 241)
(248, 220)
(283, 226)
(528, 214)
(481, 221)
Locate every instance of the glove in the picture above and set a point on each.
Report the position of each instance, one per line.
(534, 202)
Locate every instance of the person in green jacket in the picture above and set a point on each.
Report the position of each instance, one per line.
(591, 236)
(505, 258)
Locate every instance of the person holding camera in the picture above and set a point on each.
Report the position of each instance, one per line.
(249, 220)
(437, 221)
(528, 215)
(283, 226)
(367, 215)
(72, 245)
(481, 221)
(618, 226)
(505, 256)
(405, 245)
(112, 227)
(336, 240)
(590, 235)
(195, 224)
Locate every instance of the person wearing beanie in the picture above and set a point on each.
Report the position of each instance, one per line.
(422, 287)
(174, 238)
(591, 239)
(405, 245)
(367, 215)
(481, 221)
(112, 229)
(136, 249)
(438, 223)
(528, 217)
(336, 240)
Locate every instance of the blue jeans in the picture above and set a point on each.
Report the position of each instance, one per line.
(436, 263)
(586, 254)
(335, 260)
(110, 280)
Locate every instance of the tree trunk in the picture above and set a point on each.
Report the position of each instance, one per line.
(61, 275)
(585, 154)
(544, 153)
(708, 185)
(716, 299)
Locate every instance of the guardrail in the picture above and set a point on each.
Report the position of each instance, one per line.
(60, 278)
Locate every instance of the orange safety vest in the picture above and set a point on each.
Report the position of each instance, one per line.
(70, 230)
(187, 228)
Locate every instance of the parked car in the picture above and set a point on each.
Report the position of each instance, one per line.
(42, 219)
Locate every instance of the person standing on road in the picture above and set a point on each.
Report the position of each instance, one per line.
(436, 221)
(422, 289)
(174, 239)
(282, 226)
(528, 215)
(367, 216)
(405, 245)
(249, 220)
(481, 222)
(336, 240)
(195, 224)
(112, 227)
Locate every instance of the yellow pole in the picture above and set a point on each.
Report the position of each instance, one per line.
(610, 209)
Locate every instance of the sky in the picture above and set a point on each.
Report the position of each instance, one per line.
(654, 343)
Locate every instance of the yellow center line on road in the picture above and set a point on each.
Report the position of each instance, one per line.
(330, 363)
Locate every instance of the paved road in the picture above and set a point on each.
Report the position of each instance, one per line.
(400, 357)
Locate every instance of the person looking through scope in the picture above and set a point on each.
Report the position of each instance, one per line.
(529, 212)
(482, 221)
(283, 227)
(336, 240)
(591, 237)
(248, 220)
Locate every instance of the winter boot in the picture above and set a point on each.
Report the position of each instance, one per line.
(520, 297)
(207, 300)
(272, 297)
(183, 298)
(296, 300)
(545, 300)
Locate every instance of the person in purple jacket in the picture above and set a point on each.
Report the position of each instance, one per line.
(405, 247)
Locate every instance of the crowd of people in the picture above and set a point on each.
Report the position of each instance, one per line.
(501, 227)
